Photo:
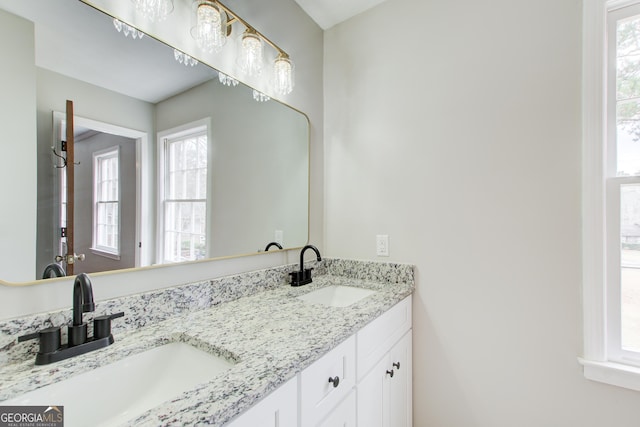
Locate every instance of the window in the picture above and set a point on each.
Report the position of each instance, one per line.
(184, 197)
(106, 201)
(623, 185)
(611, 192)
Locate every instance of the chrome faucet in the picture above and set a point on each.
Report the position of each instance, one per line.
(303, 276)
(82, 303)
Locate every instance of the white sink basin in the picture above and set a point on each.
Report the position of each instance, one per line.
(336, 295)
(123, 390)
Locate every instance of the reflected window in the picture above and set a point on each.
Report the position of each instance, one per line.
(184, 231)
(106, 204)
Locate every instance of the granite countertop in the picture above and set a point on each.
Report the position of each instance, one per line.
(271, 335)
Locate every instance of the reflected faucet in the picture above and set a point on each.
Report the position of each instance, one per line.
(53, 270)
(276, 244)
(303, 276)
(82, 303)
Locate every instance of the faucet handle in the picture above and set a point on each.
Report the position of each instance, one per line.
(102, 325)
(296, 278)
(307, 273)
(49, 339)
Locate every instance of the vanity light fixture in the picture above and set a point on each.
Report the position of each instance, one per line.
(283, 74)
(183, 58)
(154, 10)
(210, 25)
(250, 53)
(213, 23)
(127, 29)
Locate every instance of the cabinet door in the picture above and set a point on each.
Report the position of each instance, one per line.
(384, 395)
(399, 392)
(370, 396)
(343, 415)
(278, 409)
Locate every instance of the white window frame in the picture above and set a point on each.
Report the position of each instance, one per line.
(599, 301)
(177, 132)
(107, 251)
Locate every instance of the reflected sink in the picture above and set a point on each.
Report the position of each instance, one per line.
(123, 390)
(336, 295)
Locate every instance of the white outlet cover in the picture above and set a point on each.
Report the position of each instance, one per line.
(382, 245)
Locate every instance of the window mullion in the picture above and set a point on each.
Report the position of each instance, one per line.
(613, 291)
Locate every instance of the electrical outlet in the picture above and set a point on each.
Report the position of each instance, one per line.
(279, 236)
(382, 245)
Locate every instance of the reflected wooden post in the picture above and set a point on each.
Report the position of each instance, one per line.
(70, 188)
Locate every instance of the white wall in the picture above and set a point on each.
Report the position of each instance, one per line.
(456, 130)
(285, 23)
(17, 144)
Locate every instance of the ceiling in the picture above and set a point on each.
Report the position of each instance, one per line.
(328, 13)
(77, 41)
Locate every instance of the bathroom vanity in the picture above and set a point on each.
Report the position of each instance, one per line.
(291, 361)
(364, 381)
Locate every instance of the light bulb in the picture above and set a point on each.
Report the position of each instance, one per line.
(210, 26)
(154, 10)
(283, 74)
(250, 56)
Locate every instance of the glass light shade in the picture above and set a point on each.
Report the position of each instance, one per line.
(210, 26)
(260, 97)
(227, 80)
(250, 54)
(283, 80)
(127, 29)
(154, 10)
(185, 59)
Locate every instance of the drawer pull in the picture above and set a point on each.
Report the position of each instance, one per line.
(396, 365)
(335, 381)
(390, 373)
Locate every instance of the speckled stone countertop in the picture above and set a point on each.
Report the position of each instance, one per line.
(270, 335)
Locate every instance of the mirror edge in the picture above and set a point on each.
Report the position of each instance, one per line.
(145, 268)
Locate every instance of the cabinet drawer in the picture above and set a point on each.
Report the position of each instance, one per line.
(318, 395)
(375, 339)
(278, 409)
(344, 415)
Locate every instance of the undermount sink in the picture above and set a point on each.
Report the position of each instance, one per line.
(336, 295)
(123, 390)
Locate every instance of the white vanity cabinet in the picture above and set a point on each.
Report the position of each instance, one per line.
(384, 395)
(278, 409)
(363, 382)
